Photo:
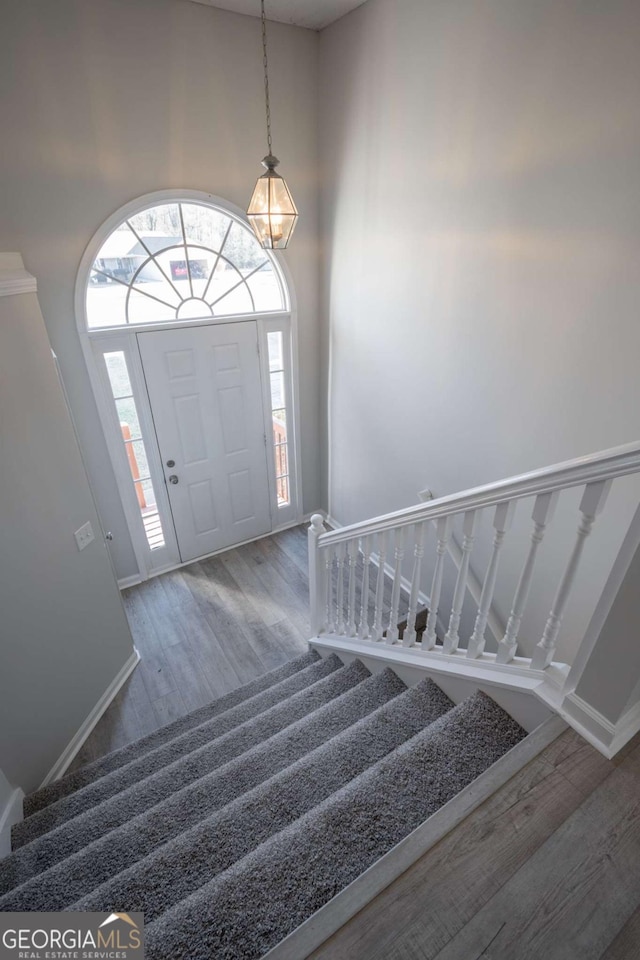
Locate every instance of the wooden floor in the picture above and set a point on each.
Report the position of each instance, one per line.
(206, 629)
(548, 868)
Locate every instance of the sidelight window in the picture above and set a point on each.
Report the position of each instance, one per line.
(277, 382)
(136, 453)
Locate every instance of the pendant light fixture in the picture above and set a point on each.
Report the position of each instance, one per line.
(271, 212)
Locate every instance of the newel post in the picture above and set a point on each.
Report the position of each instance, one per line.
(317, 576)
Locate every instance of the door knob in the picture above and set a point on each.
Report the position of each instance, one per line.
(171, 463)
(173, 478)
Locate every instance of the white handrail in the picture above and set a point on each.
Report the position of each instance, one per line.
(606, 465)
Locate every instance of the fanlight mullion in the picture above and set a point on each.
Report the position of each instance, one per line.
(122, 283)
(140, 249)
(154, 257)
(217, 261)
(239, 283)
(186, 252)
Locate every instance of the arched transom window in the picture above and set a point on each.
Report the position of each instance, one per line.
(180, 261)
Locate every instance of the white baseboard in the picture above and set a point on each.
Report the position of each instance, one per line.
(328, 919)
(131, 581)
(11, 814)
(72, 748)
(605, 736)
(329, 520)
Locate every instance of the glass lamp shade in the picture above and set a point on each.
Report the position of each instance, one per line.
(272, 212)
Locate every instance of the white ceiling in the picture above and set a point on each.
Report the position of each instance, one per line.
(314, 14)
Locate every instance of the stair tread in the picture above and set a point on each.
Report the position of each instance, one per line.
(295, 872)
(76, 876)
(98, 768)
(89, 825)
(228, 835)
(114, 783)
(278, 796)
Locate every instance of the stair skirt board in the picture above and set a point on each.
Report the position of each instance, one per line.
(326, 921)
(259, 825)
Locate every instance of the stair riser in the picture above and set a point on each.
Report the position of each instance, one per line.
(77, 875)
(146, 766)
(227, 836)
(291, 876)
(119, 758)
(77, 833)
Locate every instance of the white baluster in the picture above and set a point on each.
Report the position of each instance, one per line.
(592, 503)
(382, 555)
(452, 637)
(329, 558)
(352, 552)
(340, 623)
(501, 523)
(542, 515)
(363, 626)
(316, 575)
(392, 629)
(443, 531)
(409, 636)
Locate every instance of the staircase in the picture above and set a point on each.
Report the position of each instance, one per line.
(230, 827)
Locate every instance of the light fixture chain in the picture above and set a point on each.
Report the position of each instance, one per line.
(266, 76)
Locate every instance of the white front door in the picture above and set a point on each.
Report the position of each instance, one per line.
(206, 399)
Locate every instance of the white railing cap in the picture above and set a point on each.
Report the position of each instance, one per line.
(606, 465)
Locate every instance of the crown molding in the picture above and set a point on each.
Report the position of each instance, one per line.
(13, 276)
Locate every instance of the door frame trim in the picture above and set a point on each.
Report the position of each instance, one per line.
(124, 337)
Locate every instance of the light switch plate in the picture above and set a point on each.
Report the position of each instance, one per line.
(84, 535)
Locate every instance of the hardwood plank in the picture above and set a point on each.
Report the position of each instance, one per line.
(226, 629)
(167, 623)
(570, 898)
(147, 719)
(288, 570)
(626, 944)
(255, 592)
(433, 900)
(170, 707)
(277, 584)
(156, 673)
(294, 543)
(142, 627)
(201, 641)
(191, 681)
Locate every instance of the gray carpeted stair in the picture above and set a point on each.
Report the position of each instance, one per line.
(249, 908)
(231, 827)
(132, 751)
(204, 735)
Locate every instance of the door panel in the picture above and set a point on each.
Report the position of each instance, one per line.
(206, 398)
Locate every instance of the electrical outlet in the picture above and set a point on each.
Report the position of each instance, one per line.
(84, 535)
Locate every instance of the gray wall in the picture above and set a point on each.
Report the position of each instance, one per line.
(481, 222)
(609, 682)
(64, 635)
(106, 101)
